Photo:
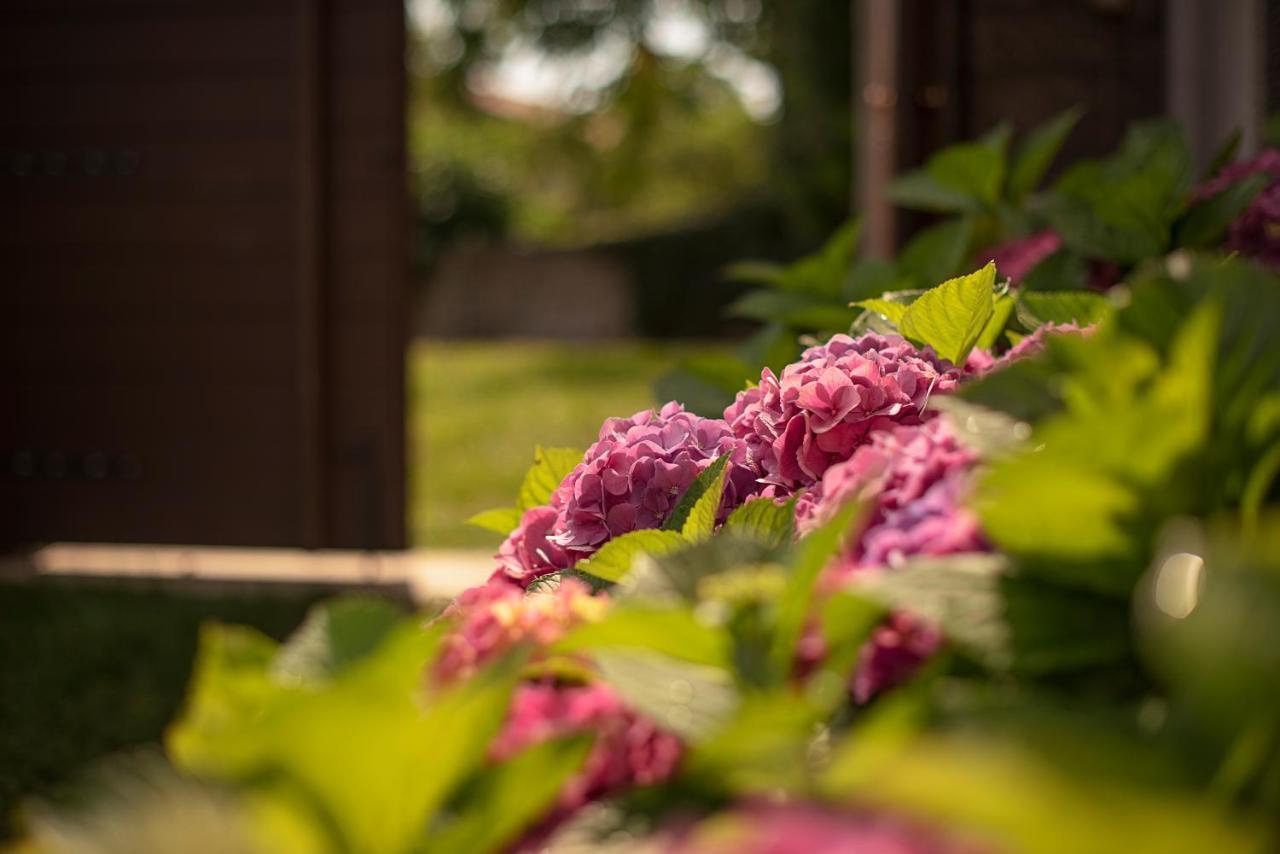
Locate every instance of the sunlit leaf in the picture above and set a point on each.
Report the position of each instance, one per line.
(550, 467)
(950, 318)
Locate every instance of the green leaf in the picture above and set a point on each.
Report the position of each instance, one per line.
(1064, 270)
(893, 311)
(794, 309)
(951, 317)
(360, 748)
(675, 632)
(550, 467)
(764, 521)
(334, 636)
(763, 748)
(813, 553)
(975, 169)
(1225, 153)
(502, 520)
(959, 593)
(1037, 153)
(510, 796)
(1037, 308)
(708, 479)
(1206, 222)
(691, 700)
(1001, 309)
(920, 190)
(937, 253)
(701, 522)
(613, 561)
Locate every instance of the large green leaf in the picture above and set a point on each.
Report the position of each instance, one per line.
(763, 748)
(1206, 222)
(1037, 152)
(334, 636)
(1036, 308)
(360, 748)
(550, 467)
(950, 318)
(920, 190)
(937, 253)
(691, 700)
(614, 559)
(510, 796)
(975, 169)
(672, 631)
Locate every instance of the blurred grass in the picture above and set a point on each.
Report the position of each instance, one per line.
(478, 409)
(89, 671)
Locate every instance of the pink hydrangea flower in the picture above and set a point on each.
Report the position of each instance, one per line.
(1018, 257)
(914, 478)
(1255, 232)
(763, 827)
(823, 407)
(629, 749)
(488, 620)
(629, 480)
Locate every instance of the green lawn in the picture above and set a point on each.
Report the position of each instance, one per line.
(477, 409)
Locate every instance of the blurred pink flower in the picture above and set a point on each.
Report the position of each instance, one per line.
(894, 653)
(488, 620)
(1255, 232)
(824, 406)
(1019, 256)
(762, 827)
(629, 749)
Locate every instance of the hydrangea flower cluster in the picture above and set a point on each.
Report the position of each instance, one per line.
(915, 478)
(824, 406)
(488, 620)
(896, 649)
(1256, 231)
(495, 617)
(629, 749)
(629, 480)
(761, 827)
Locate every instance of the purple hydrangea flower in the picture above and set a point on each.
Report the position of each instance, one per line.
(630, 479)
(823, 407)
(765, 827)
(1255, 232)
(914, 478)
(629, 748)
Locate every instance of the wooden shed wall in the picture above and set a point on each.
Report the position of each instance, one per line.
(202, 259)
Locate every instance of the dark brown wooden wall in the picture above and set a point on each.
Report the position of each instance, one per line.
(202, 271)
(967, 65)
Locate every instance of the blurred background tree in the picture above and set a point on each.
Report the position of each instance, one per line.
(570, 123)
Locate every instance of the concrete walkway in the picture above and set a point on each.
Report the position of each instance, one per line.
(418, 576)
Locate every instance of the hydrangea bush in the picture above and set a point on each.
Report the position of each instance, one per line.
(965, 576)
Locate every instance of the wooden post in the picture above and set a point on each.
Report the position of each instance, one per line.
(876, 88)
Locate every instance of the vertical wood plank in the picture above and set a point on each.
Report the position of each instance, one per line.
(311, 241)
